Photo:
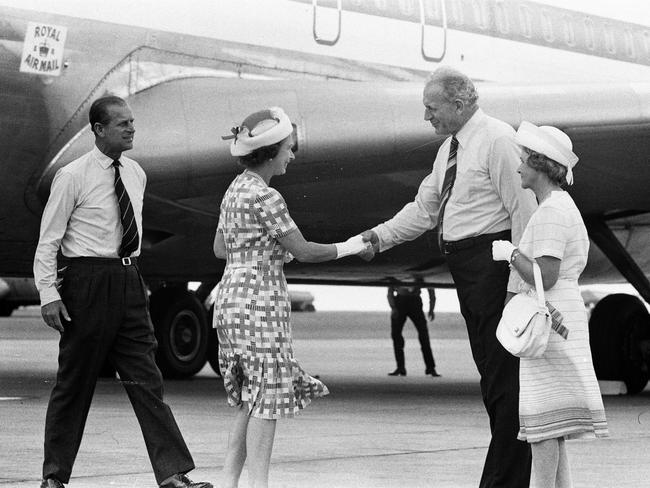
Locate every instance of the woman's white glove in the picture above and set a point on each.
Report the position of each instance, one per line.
(354, 245)
(288, 257)
(502, 250)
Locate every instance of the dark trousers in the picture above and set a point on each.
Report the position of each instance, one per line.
(481, 285)
(110, 319)
(410, 306)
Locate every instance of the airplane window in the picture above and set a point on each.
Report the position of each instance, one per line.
(526, 21)
(610, 42)
(480, 14)
(501, 18)
(406, 7)
(569, 33)
(589, 34)
(432, 8)
(457, 12)
(629, 44)
(547, 26)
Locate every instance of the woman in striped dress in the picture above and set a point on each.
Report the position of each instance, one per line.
(559, 395)
(256, 235)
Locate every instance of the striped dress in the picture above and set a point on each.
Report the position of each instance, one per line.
(252, 309)
(559, 393)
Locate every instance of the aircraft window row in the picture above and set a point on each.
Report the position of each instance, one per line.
(514, 19)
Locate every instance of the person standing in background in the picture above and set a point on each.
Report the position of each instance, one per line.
(406, 302)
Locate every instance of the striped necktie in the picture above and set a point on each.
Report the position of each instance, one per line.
(447, 184)
(130, 238)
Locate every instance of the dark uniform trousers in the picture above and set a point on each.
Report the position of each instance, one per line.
(481, 285)
(107, 303)
(410, 306)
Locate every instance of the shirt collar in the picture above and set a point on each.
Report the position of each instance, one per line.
(465, 132)
(104, 161)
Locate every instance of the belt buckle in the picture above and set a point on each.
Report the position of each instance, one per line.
(447, 247)
(126, 261)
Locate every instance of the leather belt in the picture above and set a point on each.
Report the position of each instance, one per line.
(451, 247)
(129, 261)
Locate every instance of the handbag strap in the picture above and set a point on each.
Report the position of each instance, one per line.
(539, 285)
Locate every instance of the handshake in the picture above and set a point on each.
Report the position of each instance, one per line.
(365, 245)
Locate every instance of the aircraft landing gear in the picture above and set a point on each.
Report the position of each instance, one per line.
(181, 328)
(6, 309)
(619, 334)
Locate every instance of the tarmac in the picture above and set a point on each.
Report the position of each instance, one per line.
(371, 431)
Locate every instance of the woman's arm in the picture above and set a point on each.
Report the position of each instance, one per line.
(306, 251)
(548, 265)
(219, 246)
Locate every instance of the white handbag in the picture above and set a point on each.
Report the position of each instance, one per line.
(525, 324)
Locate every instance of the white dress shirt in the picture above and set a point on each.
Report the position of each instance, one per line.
(82, 216)
(486, 197)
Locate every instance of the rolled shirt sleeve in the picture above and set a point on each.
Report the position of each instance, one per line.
(415, 218)
(53, 226)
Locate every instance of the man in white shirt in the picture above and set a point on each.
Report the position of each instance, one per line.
(474, 196)
(94, 217)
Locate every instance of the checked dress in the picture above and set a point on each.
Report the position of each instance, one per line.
(252, 309)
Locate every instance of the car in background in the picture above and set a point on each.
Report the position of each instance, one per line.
(17, 292)
(302, 301)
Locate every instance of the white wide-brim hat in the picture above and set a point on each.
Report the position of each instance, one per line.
(259, 129)
(549, 141)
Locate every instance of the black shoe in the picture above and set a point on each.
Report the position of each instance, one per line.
(182, 481)
(432, 372)
(398, 372)
(51, 483)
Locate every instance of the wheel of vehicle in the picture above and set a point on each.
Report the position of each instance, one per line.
(618, 324)
(181, 330)
(6, 309)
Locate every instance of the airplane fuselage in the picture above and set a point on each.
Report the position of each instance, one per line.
(351, 78)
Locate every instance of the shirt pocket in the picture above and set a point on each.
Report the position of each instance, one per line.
(468, 185)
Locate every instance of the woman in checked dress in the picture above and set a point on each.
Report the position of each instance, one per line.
(256, 235)
(559, 396)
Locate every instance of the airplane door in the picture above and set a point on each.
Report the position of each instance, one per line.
(433, 25)
(326, 24)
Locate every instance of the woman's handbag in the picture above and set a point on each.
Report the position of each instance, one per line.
(525, 324)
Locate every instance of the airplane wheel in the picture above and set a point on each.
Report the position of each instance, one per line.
(618, 325)
(6, 309)
(181, 330)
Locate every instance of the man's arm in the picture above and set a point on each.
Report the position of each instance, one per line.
(432, 303)
(414, 219)
(505, 158)
(53, 226)
(391, 296)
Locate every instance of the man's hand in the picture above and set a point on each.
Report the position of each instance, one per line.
(431, 315)
(52, 313)
(371, 237)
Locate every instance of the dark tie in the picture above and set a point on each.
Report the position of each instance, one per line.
(130, 238)
(447, 184)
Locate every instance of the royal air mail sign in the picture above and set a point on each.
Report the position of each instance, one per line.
(43, 49)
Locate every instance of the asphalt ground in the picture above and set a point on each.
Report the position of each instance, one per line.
(371, 431)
